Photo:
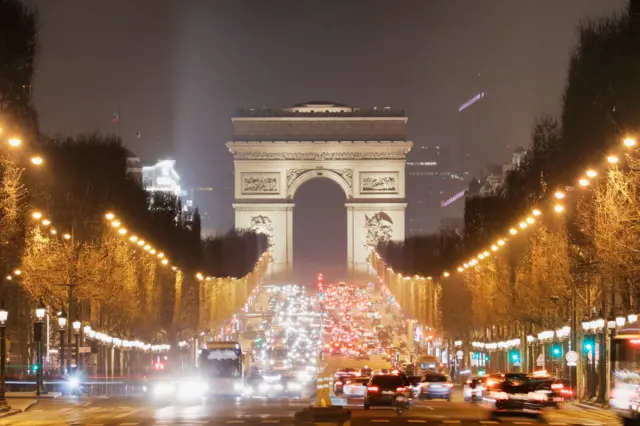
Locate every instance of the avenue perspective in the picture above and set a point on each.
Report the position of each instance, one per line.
(319, 213)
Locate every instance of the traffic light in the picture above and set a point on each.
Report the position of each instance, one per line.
(589, 343)
(514, 356)
(556, 350)
(35, 368)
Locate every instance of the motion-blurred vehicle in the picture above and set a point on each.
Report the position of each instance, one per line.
(356, 387)
(474, 388)
(517, 393)
(436, 386)
(382, 390)
(176, 387)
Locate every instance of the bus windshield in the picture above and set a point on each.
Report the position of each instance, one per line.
(626, 361)
(221, 362)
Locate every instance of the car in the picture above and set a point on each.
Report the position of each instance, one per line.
(383, 389)
(356, 387)
(474, 388)
(436, 386)
(517, 393)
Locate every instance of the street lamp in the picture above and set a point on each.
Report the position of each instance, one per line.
(62, 322)
(37, 336)
(77, 324)
(4, 315)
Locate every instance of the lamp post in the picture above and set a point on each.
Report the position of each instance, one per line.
(41, 310)
(62, 323)
(4, 315)
(77, 324)
(86, 330)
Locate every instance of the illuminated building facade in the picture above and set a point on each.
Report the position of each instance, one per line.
(161, 177)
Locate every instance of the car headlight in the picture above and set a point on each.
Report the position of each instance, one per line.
(73, 382)
(293, 386)
(237, 386)
(192, 389)
(278, 387)
(163, 389)
(264, 387)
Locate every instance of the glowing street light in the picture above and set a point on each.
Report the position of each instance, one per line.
(513, 231)
(122, 231)
(110, 216)
(591, 173)
(15, 142)
(37, 160)
(530, 220)
(523, 225)
(559, 195)
(446, 274)
(583, 182)
(612, 159)
(629, 142)
(559, 208)
(46, 222)
(501, 242)
(536, 212)
(67, 236)
(494, 247)
(36, 215)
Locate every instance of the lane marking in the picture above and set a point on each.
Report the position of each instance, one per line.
(379, 421)
(416, 421)
(94, 424)
(491, 422)
(270, 421)
(129, 424)
(451, 421)
(557, 424)
(521, 423)
(235, 421)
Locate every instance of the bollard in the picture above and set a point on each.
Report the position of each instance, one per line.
(323, 413)
(322, 397)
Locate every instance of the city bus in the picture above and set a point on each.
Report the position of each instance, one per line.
(223, 366)
(427, 364)
(625, 374)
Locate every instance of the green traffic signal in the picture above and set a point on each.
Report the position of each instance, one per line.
(556, 350)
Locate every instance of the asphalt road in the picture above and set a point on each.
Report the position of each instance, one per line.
(136, 411)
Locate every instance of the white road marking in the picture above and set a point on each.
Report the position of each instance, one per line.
(379, 421)
(270, 421)
(416, 421)
(129, 424)
(451, 421)
(557, 424)
(521, 423)
(235, 421)
(488, 422)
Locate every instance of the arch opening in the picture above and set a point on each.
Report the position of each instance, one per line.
(319, 230)
(342, 179)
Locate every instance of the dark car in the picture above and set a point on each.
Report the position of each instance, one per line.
(551, 392)
(382, 390)
(436, 386)
(340, 382)
(517, 392)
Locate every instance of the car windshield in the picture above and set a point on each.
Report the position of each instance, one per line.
(435, 378)
(387, 382)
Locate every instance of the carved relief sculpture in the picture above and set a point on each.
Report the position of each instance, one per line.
(379, 230)
(267, 184)
(379, 183)
(261, 224)
(266, 155)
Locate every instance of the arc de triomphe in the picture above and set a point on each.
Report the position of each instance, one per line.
(276, 151)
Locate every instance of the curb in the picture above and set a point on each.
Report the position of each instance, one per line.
(17, 395)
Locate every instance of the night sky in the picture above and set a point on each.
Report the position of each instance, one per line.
(179, 69)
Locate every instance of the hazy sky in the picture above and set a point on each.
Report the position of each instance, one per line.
(179, 69)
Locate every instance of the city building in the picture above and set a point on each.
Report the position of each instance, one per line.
(134, 166)
(161, 177)
(431, 182)
(493, 183)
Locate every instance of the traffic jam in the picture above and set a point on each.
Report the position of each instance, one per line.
(361, 327)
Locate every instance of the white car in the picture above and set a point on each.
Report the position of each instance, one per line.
(356, 387)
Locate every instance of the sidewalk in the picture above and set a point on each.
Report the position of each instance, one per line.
(593, 408)
(18, 406)
(32, 395)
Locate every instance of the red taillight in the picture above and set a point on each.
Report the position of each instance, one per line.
(372, 389)
(557, 386)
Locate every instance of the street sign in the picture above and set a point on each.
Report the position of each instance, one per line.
(540, 360)
(572, 358)
(85, 349)
(459, 354)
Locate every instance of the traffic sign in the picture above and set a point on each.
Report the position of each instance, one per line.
(540, 360)
(85, 349)
(572, 358)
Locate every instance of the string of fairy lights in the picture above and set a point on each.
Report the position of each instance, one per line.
(531, 219)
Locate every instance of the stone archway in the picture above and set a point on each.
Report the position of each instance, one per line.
(363, 152)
